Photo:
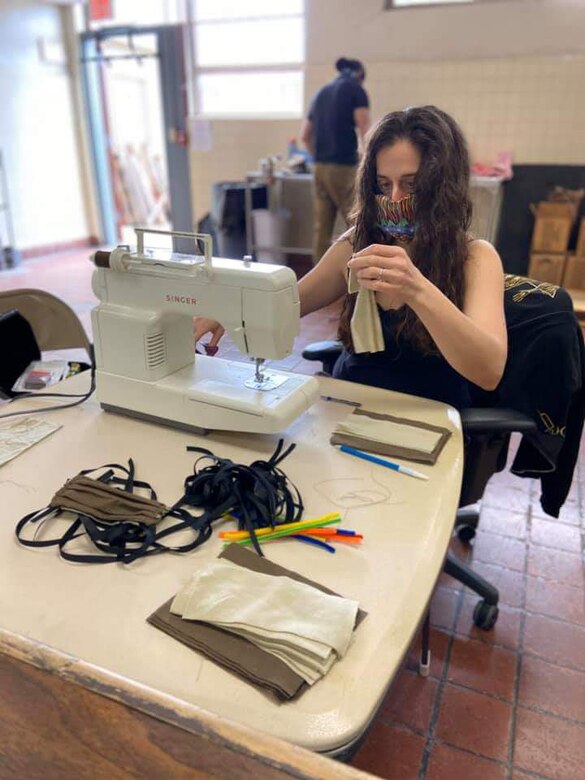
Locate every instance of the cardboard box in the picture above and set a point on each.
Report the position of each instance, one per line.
(547, 267)
(580, 248)
(574, 277)
(552, 228)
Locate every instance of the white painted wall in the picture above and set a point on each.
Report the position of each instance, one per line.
(37, 128)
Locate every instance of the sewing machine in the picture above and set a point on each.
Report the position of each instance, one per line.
(144, 346)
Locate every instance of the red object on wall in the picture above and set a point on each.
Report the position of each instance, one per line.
(100, 9)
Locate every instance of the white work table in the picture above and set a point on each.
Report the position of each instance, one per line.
(96, 614)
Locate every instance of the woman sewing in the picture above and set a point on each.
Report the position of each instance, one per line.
(424, 313)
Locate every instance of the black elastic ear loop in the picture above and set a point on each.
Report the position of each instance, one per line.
(113, 539)
(43, 514)
(264, 478)
(201, 524)
(105, 537)
(35, 517)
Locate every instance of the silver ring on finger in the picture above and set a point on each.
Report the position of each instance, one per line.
(381, 275)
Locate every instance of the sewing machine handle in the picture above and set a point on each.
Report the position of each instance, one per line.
(204, 237)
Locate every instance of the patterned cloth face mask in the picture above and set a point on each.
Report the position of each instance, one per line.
(396, 217)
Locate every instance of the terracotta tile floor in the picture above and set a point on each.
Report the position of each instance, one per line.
(508, 703)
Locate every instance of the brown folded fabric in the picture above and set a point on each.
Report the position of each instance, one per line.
(106, 503)
(233, 652)
(393, 450)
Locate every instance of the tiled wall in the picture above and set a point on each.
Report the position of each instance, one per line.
(533, 106)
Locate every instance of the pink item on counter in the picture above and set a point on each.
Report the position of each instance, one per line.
(501, 168)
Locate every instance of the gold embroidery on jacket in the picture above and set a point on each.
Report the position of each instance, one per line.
(550, 427)
(511, 281)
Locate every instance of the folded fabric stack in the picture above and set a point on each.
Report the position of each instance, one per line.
(305, 628)
(271, 639)
(398, 434)
(388, 435)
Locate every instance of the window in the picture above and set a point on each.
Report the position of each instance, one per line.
(409, 3)
(249, 57)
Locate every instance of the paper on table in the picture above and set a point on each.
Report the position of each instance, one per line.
(392, 433)
(18, 435)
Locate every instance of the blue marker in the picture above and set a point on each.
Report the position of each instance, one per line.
(382, 462)
(314, 541)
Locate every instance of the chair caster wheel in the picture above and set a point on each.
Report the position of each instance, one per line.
(485, 615)
(465, 533)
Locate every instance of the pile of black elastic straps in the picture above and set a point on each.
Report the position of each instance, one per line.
(258, 496)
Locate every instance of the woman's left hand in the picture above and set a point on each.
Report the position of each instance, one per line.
(389, 271)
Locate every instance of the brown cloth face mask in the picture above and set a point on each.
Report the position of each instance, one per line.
(118, 524)
(105, 503)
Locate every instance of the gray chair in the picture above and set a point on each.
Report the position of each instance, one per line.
(54, 323)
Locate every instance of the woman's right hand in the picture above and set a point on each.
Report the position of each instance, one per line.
(201, 326)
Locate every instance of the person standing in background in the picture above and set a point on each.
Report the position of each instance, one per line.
(329, 133)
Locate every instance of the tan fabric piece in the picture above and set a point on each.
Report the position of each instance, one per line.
(365, 325)
(233, 652)
(397, 434)
(392, 450)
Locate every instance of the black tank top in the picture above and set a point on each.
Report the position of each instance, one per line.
(403, 368)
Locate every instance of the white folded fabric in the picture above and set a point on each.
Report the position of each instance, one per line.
(319, 651)
(308, 668)
(304, 627)
(388, 432)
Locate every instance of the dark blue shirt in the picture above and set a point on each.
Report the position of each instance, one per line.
(331, 113)
(403, 368)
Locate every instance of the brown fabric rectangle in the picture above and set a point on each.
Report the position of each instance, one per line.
(391, 450)
(233, 652)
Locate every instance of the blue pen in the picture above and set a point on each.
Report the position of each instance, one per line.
(382, 462)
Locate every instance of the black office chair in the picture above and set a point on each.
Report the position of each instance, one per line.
(487, 428)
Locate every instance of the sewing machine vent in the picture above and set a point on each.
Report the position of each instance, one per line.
(156, 350)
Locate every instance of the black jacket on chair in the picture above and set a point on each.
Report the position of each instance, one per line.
(545, 379)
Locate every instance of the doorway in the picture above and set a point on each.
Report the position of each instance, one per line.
(135, 90)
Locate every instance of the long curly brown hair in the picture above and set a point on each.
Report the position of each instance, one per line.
(442, 209)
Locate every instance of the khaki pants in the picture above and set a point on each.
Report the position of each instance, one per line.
(334, 191)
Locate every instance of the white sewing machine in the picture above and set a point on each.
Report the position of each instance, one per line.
(144, 346)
